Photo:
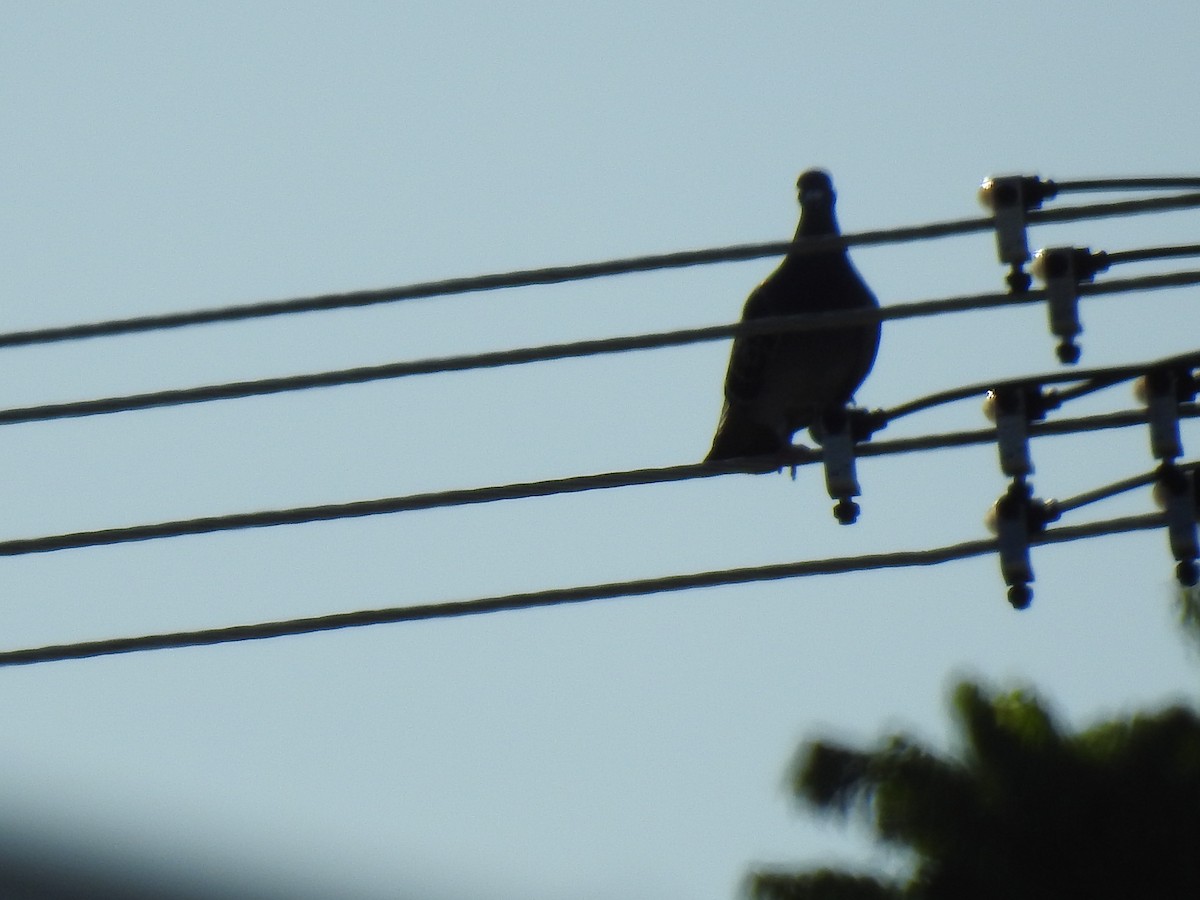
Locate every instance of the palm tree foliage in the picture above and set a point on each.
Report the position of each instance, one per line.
(1024, 811)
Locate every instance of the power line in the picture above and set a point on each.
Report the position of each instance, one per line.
(357, 509)
(1110, 490)
(797, 457)
(1080, 425)
(569, 350)
(1150, 253)
(1127, 184)
(1090, 380)
(561, 274)
(1110, 210)
(560, 596)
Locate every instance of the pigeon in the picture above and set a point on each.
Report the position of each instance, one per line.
(780, 383)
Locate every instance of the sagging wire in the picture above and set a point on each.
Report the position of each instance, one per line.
(606, 268)
(569, 350)
(554, 597)
(798, 456)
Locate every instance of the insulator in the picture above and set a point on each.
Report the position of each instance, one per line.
(1012, 432)
(1176, 492)
(838, 432)
(1012, 532)
(1010, 197)
(1162, 413)
(1012, 409)
(1015, 517)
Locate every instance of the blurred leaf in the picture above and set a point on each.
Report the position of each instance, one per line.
(824, 884)
(1028, 810)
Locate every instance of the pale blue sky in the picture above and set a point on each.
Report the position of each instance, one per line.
(162, 158)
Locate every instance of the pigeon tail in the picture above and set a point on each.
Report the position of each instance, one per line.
(740, 435)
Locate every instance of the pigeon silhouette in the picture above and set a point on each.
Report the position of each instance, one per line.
(778, 384)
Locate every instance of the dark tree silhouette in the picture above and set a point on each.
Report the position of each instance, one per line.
(1024, 810)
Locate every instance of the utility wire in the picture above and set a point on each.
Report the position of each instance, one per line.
(1080, 425)
(1186, 183)
(1091, 380)
(796, 457)
(1091, 386)
(1102, 380)
(492, 359)
(1148, 253)
(561, 274)
(1109, 210)
(570, 350)
(560, 596)
(1112, 490)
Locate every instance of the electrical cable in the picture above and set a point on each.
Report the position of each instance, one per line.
(1110, 210)
(1090, 386)
(1127, 184)
(1149, 253)
(1103, 381)
(560, 596)
(1092, 380)
(358, 509)
(492, 359)
(569, 350)
(794, 458)
(561, 274)
(1111, 490)
(945, 441)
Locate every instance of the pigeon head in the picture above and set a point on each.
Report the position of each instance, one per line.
(817, 197)
(815, 185)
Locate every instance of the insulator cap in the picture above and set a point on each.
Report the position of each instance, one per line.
(846, 511)
(1020, 596)
(1077, 263)
(836, 432)
(1029, 191)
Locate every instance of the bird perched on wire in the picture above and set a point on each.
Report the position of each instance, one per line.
(780, 383)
